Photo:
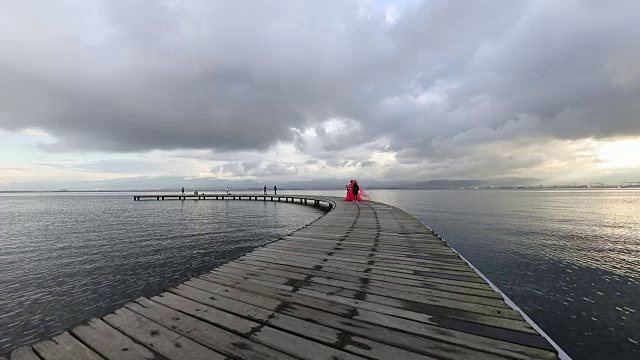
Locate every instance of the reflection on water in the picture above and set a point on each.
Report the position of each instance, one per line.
(65, 258)
(569, 258)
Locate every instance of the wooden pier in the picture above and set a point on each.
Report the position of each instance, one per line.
(364, 281)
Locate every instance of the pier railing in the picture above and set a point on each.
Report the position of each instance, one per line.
(318, 202)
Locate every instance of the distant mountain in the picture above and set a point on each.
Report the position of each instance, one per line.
(514, 182)
(149, 183)
(445, 184)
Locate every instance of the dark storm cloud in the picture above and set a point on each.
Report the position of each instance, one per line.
(445, 76)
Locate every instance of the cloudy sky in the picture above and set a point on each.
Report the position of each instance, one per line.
(94, 90)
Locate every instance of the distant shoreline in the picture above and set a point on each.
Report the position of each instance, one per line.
(334, 189)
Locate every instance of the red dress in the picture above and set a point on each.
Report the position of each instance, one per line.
(349, 196)
(362, 195)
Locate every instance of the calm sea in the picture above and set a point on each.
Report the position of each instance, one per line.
(570, 259)
(67, 257)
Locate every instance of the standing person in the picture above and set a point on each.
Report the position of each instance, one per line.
(275, 190)
(265, 189)
(227, 189)
(355, 189)
(349, 196)
(183, 190)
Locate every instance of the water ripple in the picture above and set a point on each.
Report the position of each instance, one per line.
(66, 258)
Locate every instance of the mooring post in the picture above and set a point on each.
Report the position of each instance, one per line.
(158, 198)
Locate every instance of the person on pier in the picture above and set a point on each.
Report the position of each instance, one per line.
(275, 190)
(355, 193)
(355, 189)
(183, 190)
(227, 189)
(265, 189)
(349, 196)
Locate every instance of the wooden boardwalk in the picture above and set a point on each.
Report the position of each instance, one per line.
(364, 281)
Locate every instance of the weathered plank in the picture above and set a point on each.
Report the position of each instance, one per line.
(513, 337)
(388, 265)
(265, 315)
(453, 319)
(381, 288)
(288, 343)
(64, 347)
(389, 330)
(23, 353)
(379, 295)
(162, 340)
(434, 283)
(111, 343)
(226, 342)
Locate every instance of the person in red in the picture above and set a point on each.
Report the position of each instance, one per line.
(349, 196)
(356, 193)
(355, 189)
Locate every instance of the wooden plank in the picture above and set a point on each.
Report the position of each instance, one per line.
(379, 255)
(377, 263)
(454, 319)
(214, 284)
(225, 342)
(338, 272)
(467, 346)
(376, 350)
(345, 246)
(390, 337)
(390, 289)
(510, 339)
(265, 315)
(23, 353)
(64, 347)
(381, 295)
(429, 250)
(162, 340)
(484, 289)
(111, 343)
(288, 343)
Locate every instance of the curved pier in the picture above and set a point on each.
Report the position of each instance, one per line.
(364, 281)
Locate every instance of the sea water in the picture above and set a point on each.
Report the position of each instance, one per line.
(65, 258)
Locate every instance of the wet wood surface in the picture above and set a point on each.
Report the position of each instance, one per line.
(364, 281)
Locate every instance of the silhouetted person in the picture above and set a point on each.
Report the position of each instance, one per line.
(227, 189)
(183, 190)
(265, 189)
(275, 190)
(355, 189)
